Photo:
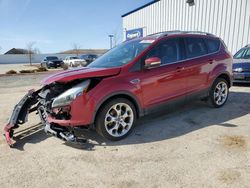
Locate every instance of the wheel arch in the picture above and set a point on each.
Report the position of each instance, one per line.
(121, 94)
(225, 76)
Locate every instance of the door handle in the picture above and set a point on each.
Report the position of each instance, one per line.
(211, 61)
(179, 69)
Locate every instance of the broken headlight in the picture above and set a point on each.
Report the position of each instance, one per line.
(68, 96)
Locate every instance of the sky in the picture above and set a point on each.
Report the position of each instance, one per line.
(55, 25)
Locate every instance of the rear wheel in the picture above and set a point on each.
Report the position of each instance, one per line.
(116, 119)
(218, 94)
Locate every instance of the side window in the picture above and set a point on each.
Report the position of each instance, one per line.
(195, 47)
(168, 51)
(213, 45)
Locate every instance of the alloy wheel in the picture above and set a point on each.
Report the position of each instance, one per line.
(220, 93)
(119, 119)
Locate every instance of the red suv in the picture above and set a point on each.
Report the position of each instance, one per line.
(129, 81)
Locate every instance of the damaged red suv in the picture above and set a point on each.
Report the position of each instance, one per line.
(131, 80)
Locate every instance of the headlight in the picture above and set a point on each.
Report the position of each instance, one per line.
(238, 70)
(68, 96)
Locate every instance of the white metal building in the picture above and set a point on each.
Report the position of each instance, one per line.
(228, 19)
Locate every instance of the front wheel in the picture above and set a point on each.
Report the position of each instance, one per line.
(218, 94)
(116, 119)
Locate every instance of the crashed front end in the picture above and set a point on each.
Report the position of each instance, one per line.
(60, 106)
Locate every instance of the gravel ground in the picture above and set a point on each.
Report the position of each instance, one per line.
(193, 146)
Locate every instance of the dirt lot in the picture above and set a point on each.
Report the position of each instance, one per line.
(195, 146)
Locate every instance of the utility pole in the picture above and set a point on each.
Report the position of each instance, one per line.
(111, 40)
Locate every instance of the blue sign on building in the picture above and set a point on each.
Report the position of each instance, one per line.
(134, 33)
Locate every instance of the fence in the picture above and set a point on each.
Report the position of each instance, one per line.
(24, 59)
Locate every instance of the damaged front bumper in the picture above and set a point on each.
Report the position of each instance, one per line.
(20, 115)
(34, 101)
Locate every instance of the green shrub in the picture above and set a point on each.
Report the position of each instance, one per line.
(65, 66)
(41, 69)
(11, 72)
(27, 71)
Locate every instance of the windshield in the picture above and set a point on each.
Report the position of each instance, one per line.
(243, 54)
(52, 58)
(122, 54)
(83, 56)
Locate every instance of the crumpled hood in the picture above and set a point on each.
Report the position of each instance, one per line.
(81, 73)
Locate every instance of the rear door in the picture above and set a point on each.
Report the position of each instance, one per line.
(197, 64)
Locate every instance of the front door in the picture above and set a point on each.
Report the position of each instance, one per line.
(166, 82)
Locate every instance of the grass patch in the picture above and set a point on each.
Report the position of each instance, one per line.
(65, 66)
(11, 72)
(233, 142)
(27, 71)
(41, 69)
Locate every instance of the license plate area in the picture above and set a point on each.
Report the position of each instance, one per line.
(239, 76)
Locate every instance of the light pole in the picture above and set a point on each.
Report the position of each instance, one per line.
(111, 39)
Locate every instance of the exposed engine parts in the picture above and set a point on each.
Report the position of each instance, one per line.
(41, 101)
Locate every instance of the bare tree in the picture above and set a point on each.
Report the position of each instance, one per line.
(117, 38)
(30, 51)
(36, 51)
(76, 48)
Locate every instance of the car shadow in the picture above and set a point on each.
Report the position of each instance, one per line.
(33, 134)
(242, 84)
(162, 125)
(172, 123)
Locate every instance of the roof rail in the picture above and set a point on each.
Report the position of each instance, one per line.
(248, 45)
(198, 32)
(165, 33)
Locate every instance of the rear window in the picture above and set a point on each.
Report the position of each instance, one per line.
(195, 47)
(213, 45)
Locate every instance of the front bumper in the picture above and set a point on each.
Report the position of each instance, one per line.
(55, 65)
(81, 110)
(241, 77)
(81, 113)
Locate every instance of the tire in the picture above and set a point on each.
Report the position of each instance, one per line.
(218, 93)
(47, 66)
(113, 126)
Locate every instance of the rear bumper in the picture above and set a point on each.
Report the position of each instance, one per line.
(241, 77)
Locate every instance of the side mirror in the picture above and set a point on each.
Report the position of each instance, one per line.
(152, 62)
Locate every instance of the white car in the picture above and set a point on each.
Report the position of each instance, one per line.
(74, 61)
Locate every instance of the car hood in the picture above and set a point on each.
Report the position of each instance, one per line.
(81, 73)
(241, 63)
(77, 60)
